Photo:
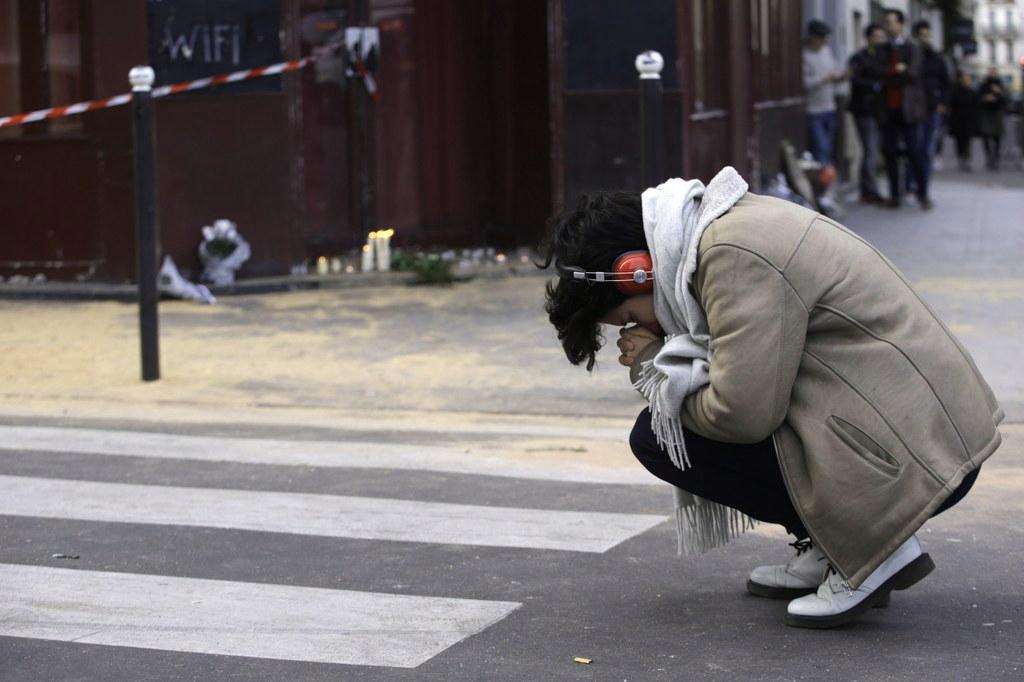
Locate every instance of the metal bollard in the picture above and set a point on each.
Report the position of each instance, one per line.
(146, 229)
(649, 64)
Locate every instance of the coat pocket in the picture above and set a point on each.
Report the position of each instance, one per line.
(864, 445)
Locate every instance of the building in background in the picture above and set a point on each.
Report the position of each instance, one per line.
(488, 115)
(999, 34)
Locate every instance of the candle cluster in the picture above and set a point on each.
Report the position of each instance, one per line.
(377, 251)
(325, 265)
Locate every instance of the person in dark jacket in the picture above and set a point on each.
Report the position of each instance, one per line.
(963, 118)
(863, 105)
(992, 103)
(936, 83)
(903, 107)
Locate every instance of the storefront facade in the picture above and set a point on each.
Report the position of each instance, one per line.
(488, 114)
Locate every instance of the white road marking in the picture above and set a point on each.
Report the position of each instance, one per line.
(311, 453)
(236, 618)
(324, 515)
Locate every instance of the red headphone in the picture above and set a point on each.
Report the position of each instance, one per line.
(632, 272)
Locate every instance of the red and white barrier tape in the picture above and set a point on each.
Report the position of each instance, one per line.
(162, 91)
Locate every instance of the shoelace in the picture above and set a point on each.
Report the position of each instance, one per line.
(801, 546)
(833, 580)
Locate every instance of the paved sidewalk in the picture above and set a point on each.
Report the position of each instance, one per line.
(478, 347)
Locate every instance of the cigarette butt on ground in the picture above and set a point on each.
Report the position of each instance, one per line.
(580, 659)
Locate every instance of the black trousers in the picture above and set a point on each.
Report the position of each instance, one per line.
(991, 143)
(963, 147)
(745, 477)
(896, 130)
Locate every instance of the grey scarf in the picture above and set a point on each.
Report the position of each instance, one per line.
(675, 214)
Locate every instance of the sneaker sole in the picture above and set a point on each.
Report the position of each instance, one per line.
(769, 592)
(791, 593)
(912, 573)
(904, 578)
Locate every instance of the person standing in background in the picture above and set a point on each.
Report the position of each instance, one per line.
(898, 67)
(992, 102)
(935, 81)
(863, 105)
(963, 118)
(820, 76)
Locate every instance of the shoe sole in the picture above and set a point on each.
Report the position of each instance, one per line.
(769, 592)
(903, 579)
(791, 593)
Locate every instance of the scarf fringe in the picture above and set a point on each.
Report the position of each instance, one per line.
(675, 215)
(705, 525)
(667, 426)
(701, 525)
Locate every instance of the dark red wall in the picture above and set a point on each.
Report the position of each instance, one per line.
(238, 156)
(227, 157)
(69, 195)
(461, 129)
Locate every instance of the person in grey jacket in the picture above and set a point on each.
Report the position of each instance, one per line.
(811, 385)
(820, 74)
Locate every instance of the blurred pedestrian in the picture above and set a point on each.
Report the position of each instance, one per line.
(821, 73)
(904, 107)
(992, 103)
(963, 118)
(864, 102)
(936, 83)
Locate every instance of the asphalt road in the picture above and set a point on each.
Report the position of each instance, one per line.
(635, 609)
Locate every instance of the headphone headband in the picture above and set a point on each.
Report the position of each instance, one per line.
(633, 273)
(579, 274)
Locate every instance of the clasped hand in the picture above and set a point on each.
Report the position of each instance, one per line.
(632, 340)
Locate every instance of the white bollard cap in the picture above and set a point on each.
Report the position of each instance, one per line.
(141, 78)
(649, 64)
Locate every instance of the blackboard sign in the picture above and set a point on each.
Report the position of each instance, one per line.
(191, 39)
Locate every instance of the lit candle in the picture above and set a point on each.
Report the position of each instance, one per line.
(384, 249)
(368, 253)
(321, 265)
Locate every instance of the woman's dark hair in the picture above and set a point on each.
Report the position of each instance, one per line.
(599, 228)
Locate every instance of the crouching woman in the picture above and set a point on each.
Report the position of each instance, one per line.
(793, 376)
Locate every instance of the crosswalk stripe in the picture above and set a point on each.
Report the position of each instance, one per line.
(236, 618)
(313, 453)
(322, 515)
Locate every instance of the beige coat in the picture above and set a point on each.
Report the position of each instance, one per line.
(876, 410)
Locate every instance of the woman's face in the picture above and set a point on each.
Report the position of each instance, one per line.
(638, 310)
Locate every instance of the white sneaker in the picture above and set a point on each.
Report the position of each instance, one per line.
(835, 603)
(802, 575)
